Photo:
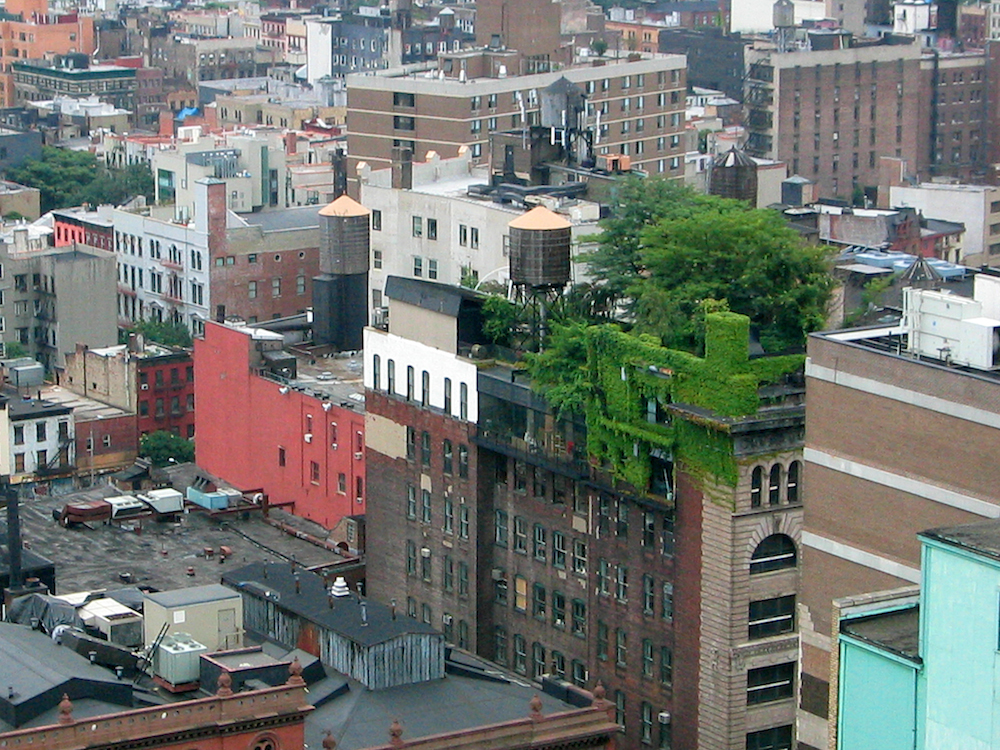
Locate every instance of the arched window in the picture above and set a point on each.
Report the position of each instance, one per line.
(756, 481)
(774, 485)
(793, 482)
(774, 553)
(376, 372)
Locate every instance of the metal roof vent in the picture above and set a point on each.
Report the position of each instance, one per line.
(339, 588)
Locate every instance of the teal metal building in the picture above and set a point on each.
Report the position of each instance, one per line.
(923, 674)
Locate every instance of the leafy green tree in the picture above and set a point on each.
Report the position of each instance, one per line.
(15, 349)
(560, 370)
(69, 178)
(169, 334)
(162, 446)
(499, 319)
(638, 203)
(726, 251)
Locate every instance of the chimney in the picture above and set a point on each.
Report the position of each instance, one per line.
(402, 168)
(291, 142)
(210, 209)
(21, 239)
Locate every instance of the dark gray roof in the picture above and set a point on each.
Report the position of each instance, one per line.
(734, 157)
(897, 631)
(982, 537)
(311, 603)
(40, 671)
(920, 270)
(301, 217)
(195, 595)
(441, 298)
(360, 718)
(31, 408)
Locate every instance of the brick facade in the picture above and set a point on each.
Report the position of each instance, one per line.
(881, 460)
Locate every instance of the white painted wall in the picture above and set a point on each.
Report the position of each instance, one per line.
(969, 204)
(408, 353)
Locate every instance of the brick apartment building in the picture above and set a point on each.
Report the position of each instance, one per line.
(152, 381)
(895, 443)
(831, 114)
(290, 429)
(677, 591)
(636, 105)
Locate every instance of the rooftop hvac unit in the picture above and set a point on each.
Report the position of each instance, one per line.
(177, 659)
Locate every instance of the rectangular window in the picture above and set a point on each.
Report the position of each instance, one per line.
(425, 564)
(463, 579)
(667, 611)
(602, 641)
(538, 543)
(463, 462)
(773, 683)
(500, 536)
(772, 616)
(579, 626)
(621, 647)
(474, 238)
(40, 432)
(520, 593)
(411, 558)
(647, 658)
(775, 738)
(666, 665)
(463, 521)
(621, 584)
(418, 226)
(411, 502)
(418, 266)
(425, 506)
(252, 289)
(579, 556)
(432, 269)
(314, 472)
(463, 401)
(603, 577)
(538, 601)
(558, 550)
(449, 515)
(276, 286)
(520, 535)
(558, 609)
(648, 595)
(447, 456)
(520, 655)
(447, 395)
(432, 229)
(376, 220)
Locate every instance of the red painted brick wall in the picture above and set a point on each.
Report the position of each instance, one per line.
(244, 419)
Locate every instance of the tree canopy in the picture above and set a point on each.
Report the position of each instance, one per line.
(162, 446)
(667, 251)
(69, 178)
(163, 332)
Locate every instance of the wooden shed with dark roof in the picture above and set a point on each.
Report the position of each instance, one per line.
(359, 638)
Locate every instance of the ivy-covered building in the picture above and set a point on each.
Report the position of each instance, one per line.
(649, 540)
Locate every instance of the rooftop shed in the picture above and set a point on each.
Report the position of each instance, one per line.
(212, 615)
(359, 638)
